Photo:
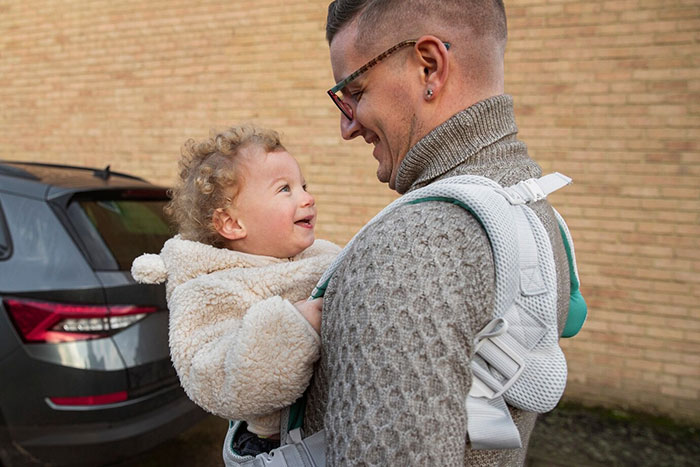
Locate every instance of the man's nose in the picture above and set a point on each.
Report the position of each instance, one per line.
(350, 129)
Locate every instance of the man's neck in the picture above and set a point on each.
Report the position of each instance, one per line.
(455, 140)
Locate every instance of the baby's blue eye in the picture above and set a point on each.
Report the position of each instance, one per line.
(285, 188)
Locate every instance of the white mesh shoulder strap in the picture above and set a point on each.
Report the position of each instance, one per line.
(517, 356)
(518, 359)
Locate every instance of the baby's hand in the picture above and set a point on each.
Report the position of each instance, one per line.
(311, 310)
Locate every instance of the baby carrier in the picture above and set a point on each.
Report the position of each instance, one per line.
(517, 357)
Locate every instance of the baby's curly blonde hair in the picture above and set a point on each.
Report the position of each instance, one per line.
(209, 175)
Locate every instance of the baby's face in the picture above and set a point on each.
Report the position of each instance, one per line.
(273, 206)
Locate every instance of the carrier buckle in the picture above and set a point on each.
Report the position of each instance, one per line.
(494, 349)
(523, 192)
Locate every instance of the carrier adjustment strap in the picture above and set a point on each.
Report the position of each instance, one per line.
(534, 189)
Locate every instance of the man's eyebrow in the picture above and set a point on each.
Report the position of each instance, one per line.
(356, 82)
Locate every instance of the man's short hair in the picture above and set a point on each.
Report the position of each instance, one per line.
(477, 18)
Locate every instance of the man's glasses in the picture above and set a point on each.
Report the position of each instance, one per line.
(344, 107)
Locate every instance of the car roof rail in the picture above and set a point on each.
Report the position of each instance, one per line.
(16, 172)
(104, 174)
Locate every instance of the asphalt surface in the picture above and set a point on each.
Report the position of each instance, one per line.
(570, 435)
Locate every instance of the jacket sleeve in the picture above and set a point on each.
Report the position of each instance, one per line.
(237, 356)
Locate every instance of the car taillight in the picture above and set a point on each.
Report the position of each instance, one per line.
(60, 322)
(100, 399)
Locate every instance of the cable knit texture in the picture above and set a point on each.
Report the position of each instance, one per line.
(401, 312)
(241, 349)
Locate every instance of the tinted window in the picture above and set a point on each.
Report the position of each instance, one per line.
(128, 228)
(44, 256)
(5, 245)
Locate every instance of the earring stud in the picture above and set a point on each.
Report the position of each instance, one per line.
(428, 93)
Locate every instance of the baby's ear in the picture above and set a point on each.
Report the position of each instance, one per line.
(227, 226)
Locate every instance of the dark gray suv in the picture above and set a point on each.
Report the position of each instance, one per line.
(85, 373)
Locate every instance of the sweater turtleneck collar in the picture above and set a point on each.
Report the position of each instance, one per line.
(456, 140)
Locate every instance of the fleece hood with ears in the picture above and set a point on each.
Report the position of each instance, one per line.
(240, 348)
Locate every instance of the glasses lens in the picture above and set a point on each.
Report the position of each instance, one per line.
(344, 108)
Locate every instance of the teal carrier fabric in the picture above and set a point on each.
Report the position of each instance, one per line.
(517, 358)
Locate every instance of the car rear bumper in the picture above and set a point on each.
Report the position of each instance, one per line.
(103, 443)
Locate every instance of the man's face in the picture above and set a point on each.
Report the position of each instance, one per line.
(383, 113)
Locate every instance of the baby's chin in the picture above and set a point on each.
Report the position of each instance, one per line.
(298, 249)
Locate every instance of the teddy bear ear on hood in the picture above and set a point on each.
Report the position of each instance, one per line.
(149, 269)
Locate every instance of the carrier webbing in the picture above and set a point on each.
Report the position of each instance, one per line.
(517, 357)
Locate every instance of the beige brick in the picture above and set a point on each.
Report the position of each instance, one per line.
(682, 370)
(681, 393)
(605, 92)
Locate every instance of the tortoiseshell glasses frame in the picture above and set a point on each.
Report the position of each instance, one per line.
(333, 92)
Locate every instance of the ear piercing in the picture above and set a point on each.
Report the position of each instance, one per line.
(428, 94)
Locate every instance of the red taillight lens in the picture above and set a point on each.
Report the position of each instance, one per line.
(61, 322)
(100, 399)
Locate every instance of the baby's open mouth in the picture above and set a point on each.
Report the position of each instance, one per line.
(305, 222)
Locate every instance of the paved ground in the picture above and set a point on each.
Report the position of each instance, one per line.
(570, 435)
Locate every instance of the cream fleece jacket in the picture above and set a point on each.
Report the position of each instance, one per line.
(240, 348)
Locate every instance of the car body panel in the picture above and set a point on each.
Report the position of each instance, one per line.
(94, 354)
(53, 252)
(115, 440)
(143, 343)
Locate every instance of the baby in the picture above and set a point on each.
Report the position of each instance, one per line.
(242, 338)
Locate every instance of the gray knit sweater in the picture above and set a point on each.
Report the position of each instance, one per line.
(401, 312)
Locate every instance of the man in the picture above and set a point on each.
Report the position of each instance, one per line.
(401, 313)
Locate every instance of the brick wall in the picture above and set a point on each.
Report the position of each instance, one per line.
(606, 92)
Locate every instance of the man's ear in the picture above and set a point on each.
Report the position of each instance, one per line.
(434, 63)
(227, 226)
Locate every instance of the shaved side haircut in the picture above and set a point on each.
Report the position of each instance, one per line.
(381, 18)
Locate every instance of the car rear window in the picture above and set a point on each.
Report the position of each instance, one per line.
(128, 227)
(5, 244)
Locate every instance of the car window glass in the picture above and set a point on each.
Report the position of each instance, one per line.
(5, 243)
(44, 256)
(129, 228)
